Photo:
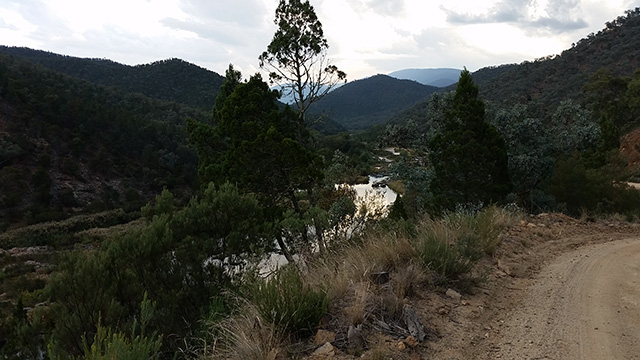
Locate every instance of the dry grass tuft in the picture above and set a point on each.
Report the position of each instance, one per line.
(340, 268)
(406, 279)
(247, 336)
(356, 313)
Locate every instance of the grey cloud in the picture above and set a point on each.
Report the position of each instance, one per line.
(218, 31)
(561, 25)
(503, 11)
(381, 7)
(234, 23)
(562, 15)
(387, 7)
(239, 12)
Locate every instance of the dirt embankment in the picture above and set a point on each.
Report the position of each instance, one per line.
(559, 288)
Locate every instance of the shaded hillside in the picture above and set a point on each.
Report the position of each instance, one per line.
(434, 77)
(550, 80)
(171, 80)
(555, 78)
(362, 103)
(67, 145)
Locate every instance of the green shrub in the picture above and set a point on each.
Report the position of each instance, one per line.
(447, 261)
(450, 246)
(61, 232)
(577, 187)
(288, 304)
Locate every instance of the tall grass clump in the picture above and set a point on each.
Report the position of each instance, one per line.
(286, 302)
(354, 262)
(450, 246)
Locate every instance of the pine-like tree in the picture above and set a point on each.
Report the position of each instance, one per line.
(468, 155)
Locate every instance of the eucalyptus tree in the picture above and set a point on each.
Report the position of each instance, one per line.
(297, 58)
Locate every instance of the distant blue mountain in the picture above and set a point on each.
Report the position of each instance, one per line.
(434, 77)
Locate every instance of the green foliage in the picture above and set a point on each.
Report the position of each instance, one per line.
(448, 262)
(170, 80)
(468, 155)
(288, 304)
(451, 246)
(364, 103)
(66, 125)
(109, 344)
(577, 187)
(58, 233)
(253, 147)
(555, 78)
(416, 179)
(534, 143)
(182, 258)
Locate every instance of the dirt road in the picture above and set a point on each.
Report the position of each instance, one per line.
(585, 304)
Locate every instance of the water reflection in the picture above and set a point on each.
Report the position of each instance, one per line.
(377, 185)
(375, 197)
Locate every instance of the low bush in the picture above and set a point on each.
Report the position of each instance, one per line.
(577, 187)
(61, 232)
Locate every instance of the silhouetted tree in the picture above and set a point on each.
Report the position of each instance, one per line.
(468, 155)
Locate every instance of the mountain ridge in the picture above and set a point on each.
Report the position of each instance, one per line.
(438, 77)
(359, 104)
(170, 79)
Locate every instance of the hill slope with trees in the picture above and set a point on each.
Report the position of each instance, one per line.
(361, 104)
(546, 82)
(68, 145)
(170, 80)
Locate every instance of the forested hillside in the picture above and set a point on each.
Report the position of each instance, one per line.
(362, 103)
(68, 145)
(554, 78)
(171, 79)
(546, 82)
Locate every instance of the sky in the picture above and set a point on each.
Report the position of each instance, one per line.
(366, 37)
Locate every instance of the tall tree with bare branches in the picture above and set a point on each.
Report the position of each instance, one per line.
(297, 59)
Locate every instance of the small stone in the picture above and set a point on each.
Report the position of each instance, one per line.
(504, 268)
(324, 336)
(401, 346)
(411, 341)
(325, 351)
(531, 225)
(454, 295)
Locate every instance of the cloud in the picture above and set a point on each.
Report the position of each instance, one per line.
(555, 15)
(6, 25)
(386, 7)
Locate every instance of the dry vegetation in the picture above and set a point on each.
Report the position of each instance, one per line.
(371, 284)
